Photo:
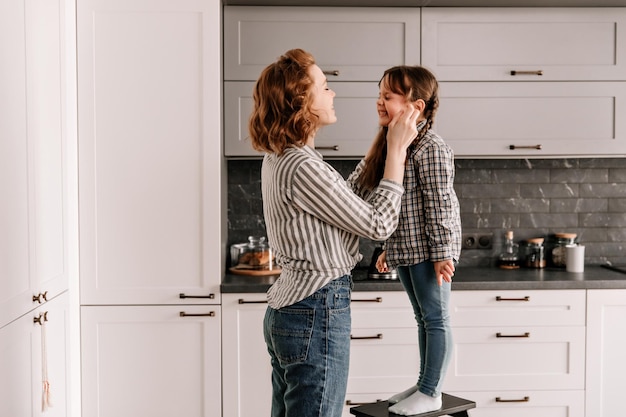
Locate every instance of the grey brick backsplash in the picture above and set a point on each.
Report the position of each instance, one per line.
(532, 197)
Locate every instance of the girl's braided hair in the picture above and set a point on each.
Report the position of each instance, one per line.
(414, 83)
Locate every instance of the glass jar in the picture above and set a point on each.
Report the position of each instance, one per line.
(256, 254)
(534, 253)
(557, 253)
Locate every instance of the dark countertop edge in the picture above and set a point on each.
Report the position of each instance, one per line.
(467, 279)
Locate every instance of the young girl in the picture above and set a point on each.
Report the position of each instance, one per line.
(427, 243)
(313, 220)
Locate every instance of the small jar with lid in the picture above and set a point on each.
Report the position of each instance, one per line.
(256, 254)
(558, 251)
(534, 253)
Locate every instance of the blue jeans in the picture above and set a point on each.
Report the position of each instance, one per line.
(309, 346)
(430, 305)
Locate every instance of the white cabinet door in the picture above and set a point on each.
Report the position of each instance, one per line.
(522, 44)
(33, 182)
(246, 383)
(533, 119)
(348, 43)
(159, 361)
(606, 344)
(350, 136)
(28, 352)
(149, 151)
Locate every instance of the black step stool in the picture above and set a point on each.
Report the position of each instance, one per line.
(452, 406)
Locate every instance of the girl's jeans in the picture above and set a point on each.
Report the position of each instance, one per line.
(430, 305)
(309, 346)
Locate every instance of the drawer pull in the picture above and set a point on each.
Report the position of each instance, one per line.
(209, 314)
(350, 402)
(521, 400)
(331, 72)
(378, 336)
(527, 334)
(514, 147)
(537, 72)
(369, 300)
(327, 148)
(183, 296)
(498, 298)
(38, 297)
(41, 318)
(242, 301)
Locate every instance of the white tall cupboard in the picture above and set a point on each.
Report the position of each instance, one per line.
(149, 85)
(37, 244)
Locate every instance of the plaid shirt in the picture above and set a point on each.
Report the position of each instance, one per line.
(430, 222)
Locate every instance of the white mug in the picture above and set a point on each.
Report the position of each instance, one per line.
(575, 258)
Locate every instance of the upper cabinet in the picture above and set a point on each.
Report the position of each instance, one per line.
(349, 44)
(529, 82)
(353, 46)
(525, 44)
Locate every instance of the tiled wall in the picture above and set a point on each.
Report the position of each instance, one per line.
(532, 197)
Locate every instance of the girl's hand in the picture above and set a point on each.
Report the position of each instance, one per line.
(381, 262)
(444, 271)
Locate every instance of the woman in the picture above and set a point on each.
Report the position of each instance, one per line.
(314, 220)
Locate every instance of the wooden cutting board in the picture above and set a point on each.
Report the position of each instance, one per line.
(254, 272)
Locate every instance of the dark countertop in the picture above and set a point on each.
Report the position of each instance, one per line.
(467, 278)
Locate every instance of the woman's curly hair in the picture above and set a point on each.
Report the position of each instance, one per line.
(414, 83)
(282, 115)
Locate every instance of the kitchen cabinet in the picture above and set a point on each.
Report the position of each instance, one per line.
(348, 43)
(151, 204)
(34, 243)
(32, 347)
(529, 82)
(352, 135)
(606, 343)
(151, 361)
(149, 154)
(353, 46)
(246, 382)
(516, 351)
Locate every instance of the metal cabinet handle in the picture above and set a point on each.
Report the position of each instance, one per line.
(242, 301)
(378, 336)
(183, 296)
(537, 72)
(327, 148)
(521, 400)
(527, 334)
(43, 317)
(369, 300)
(209, 314)
(331, 72)
(38, 297)
(526, 298)
(514, 147)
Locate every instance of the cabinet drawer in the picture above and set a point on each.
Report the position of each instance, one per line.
(517, 308)
(511, 119)
(390, 362)
(473, 44)
(525, 403)
(383, 310)
(358, 43)
(509, 358)
(351, 135)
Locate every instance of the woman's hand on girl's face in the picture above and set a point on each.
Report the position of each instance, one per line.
(403, 127)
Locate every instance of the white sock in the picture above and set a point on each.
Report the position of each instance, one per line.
(416, 403)
(401, 396)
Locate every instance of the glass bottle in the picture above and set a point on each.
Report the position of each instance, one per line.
(509, 257)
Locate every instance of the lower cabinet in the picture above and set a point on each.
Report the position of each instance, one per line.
(34, 349)
(157, 361)
(519, 352)
(606, 344)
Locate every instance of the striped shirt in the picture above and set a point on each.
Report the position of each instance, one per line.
(314, 219)
(430, 219)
